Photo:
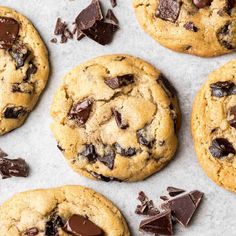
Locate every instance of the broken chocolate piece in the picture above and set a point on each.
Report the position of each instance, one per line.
(32, 232)
(158, 224)
(190, 26)
(143, 138)
(53, 224)
(168, 10)
(90, 153)
(232, 116)
(32, 69)
(120, 123)
(174, 191)
(129, 152)
(60, 27)
(13, 167)
(111, 18)
(120, 81)
(222, 89)
(221, 147)
(108, 159)
(113, 3)
(9, 29)
(167, 86)
(104, 178)
(79, 225)
(196, 197)
(202, 3)
(14, 112)
(164, 198)
(80, 111)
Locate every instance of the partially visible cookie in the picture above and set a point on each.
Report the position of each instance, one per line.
(116, 118)
(68, 210)
(24, 68)
(214, 126)
(201, 27)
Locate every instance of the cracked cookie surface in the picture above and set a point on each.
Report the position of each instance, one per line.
(201, 27)
(24, 68)
(214, 126)
(44, 212)
(116, 118)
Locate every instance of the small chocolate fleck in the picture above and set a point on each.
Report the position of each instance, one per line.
(12, 112)
(174, 191)
(120, 81)
(90, 153)
(202, 3)
(119, 121)
(129, 152)
(32, 232)
(53, 224)
(53, 40)
(232, 116)
(164, 198)
(60, 148)
(113, 3)
(111, 18)
(190, 26)
(222, 89)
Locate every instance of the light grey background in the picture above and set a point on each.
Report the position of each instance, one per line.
(34, 140)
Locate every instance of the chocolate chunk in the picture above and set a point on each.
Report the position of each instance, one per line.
(23, 88)
(202, 3)
(221, 147)
(232, 116)
(53, 224)
(196, 197)
(129, 152)
(53, 40)
(32, 69)
(190, 26)
(14, 112)
(19, 53)
(111, 18)
(90, 153)
(158, 224)
(9, 29)
(104, 178)
(164, 198)
(13, 167)
(120, 81)
(167, 86)
(60, 27)
(79, 225)
(168, 10)
(222, 89)
(2, 153)
(80, 111)
(101, 32)
(32, 232)
(113, 3)
(143, 138)
(108, 159)
(120, 123)
(174, 191)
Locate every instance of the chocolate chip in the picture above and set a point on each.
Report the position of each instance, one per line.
(23, 88)
(174, 191)
(158, 224)
(80, 111)
(167, 86)
(9, 29)
(120, 81)
(143, 138)
(103, 178)
(32, 69)
(221, 147)
(108, 159)
(113, 3)
(90, 153)
(120, 123)
(14, 112)
(222, 89)
(129, 152)
(53, 224)
(79, 225)
(32, 232)
(53, 40)
(232, 116)
(202, 3)
(168, 10)
(190, 26)
(111, 18)
(13, 167)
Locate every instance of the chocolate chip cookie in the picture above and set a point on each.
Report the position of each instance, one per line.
(24, 68)
(116, 118)
(214, 126)
(201, 27)
(68, 210)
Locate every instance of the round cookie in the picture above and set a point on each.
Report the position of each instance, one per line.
(24, 68)
(201, 27)
(68, 210)
(115, 118)
(214, 126)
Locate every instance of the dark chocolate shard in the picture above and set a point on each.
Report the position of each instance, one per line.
(190, 26)
(111, 18)
(167, 86)
(113, 3)
(196, 197)
(80, 111)
(232, 116)
(60, 27)
(12, 112)
(32, 232)
(54, 223)
(160, 224)
(129, 152)
(80, 225)
(108, 159)
(9, 29)
(32, 69)
(90, 153)
(174, 191)
(168, 10)
(120, 81)
(144, 139)
(104, 178)
(221, 147)
(222, 89)
(164, 198)
(2, 153)
(119, 121)
(13, 167)
(202, 3)
(101, 32)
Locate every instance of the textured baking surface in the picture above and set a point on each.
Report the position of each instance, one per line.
(35, 142)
